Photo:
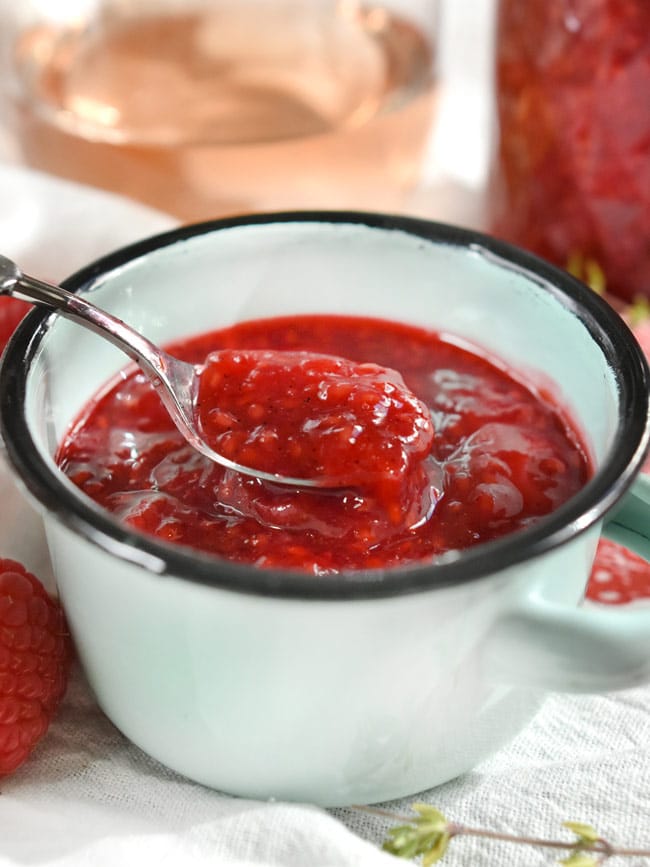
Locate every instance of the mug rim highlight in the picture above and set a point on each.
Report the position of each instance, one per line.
(602, 492)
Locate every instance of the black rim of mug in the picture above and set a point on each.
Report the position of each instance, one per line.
(588, 506)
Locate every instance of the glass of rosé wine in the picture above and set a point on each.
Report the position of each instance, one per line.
(207, 108)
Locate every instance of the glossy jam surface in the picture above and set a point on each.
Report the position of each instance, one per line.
(493, 456)
(312, 416)
(573, 175)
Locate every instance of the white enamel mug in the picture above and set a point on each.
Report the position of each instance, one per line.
(371, 685)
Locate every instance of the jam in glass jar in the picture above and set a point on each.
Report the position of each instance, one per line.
(572, 176)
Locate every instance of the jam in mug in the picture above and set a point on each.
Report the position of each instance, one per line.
(452, 451)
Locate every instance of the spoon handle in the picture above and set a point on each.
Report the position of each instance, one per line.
(18, 285)
(174, 380)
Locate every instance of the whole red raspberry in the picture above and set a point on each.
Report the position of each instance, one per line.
(11, 312)
(35, 652)
(618, 576)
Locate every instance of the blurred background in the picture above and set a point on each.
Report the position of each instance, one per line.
(209, 107)
(530, 120)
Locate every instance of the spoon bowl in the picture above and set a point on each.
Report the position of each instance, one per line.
(175, 381)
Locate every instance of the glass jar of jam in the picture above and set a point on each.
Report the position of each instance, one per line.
(572, 174)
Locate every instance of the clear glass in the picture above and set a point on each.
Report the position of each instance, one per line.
(208, 107)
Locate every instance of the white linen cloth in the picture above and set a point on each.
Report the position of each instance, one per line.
(89, 797)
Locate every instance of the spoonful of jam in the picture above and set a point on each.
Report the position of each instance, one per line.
(295, 418)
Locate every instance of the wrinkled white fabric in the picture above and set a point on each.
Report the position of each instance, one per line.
(53, 227)
(89, 797)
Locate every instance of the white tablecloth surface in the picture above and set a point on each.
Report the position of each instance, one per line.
(88, 797)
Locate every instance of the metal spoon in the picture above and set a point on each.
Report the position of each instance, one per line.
(175, 381)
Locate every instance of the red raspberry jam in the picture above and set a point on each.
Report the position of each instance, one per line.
(490, 456)
(311, 416)
(573, 96)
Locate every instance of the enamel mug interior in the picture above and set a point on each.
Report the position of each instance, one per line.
(357, 688)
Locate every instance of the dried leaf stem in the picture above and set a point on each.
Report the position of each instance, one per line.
(428, 833)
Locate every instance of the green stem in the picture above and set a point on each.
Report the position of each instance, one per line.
(599, 847)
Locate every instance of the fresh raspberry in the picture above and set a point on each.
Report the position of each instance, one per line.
(11, 312)
(618, 576)
(35, 653)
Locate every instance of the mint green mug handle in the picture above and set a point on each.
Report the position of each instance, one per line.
(588, 649)
(630, 523)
